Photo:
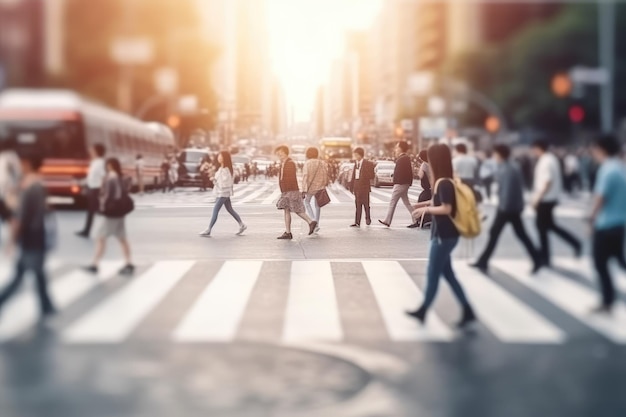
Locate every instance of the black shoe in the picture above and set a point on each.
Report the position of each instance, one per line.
(602, 309)
(578, 251)
(355, 225)
(536, 267)
(481, 267)
(48, 312)
(427, 225)
(285, 236)
(92, 269)
(414, 225)
(468, 318)
(312, 227)
(419, 315)
(383, 223)
(82, 234)
(127, 270)
(368, 222)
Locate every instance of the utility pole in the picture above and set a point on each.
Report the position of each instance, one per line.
(606, 27)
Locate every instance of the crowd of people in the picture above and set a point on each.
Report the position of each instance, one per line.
(440, 171)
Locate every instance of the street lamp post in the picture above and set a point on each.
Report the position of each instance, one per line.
(606, 26)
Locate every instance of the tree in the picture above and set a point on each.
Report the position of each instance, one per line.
(517, 73)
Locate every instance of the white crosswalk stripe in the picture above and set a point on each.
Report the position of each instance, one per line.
(312, 309)
(113, 320)
(573, 298)
(585, 269)
(312, 312)
(216, 314)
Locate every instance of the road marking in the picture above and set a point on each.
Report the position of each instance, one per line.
(396, 293)
(243, 188)
(115, 318)
(333, 198)
(571, 297)
(504, 315)
(22, 311)
(585, 268)
(216, 315)
(252, 196)
(273, 197)
(312, 312)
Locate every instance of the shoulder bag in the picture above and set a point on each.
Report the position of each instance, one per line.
(119, 207)
(321, 197)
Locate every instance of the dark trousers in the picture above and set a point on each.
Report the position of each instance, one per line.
(545, 223)
(608, 244)
(362, 201)
(440, 263)
(93, 201)
(501, 220)
(223, 202)
(487, 182)
(30, 260)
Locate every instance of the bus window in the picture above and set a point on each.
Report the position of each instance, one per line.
(51, 138)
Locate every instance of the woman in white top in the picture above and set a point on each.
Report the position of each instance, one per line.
(223, 190)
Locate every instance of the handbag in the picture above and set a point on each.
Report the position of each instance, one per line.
(322, 198)
(119, 207)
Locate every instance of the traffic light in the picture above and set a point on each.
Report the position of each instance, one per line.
(576, 113)
(561, 85)
(492, 124)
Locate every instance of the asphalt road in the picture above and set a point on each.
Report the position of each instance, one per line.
(254, 326)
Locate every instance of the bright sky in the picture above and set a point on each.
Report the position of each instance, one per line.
(305, 36)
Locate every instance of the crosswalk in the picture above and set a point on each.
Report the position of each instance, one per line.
(260, 192)
(313, 301)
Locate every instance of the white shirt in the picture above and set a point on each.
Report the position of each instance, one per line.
(357, 172)
(465, 166)
(572, 166)
(548, 170)
(223, 183)
(97, 172)
(10, 172)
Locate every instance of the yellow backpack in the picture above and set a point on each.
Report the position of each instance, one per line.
(467, 218)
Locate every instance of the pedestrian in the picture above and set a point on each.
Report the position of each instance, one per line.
(424, 175)
(571, 165)
(608, 216)
(205, 173)
(139, 169)
(223, 190)
(165, 173)
(29, 234)
(510, 208)
(548, 186)
(113, 189)
(95, 177)
(466, 167)
(314, 179)
(487, 172)
(10, 174)
(444, 235)
(290, 199)
(402, 180)
(173, 172)
(360, 186)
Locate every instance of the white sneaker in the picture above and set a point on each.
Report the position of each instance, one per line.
(206, 233)
(242, 229)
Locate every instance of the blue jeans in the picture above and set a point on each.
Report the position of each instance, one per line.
(312, 210)
(440, 263)
(30, 260)
(219, 203)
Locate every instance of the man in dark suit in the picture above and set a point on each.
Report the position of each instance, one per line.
(362, 174)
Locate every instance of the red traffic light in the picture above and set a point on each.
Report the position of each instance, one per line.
(576, 114)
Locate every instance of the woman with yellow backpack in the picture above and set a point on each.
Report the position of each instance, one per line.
(454, 213)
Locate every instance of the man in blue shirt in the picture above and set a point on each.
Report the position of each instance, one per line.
(608, 216)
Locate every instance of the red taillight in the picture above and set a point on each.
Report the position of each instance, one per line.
(75, 189)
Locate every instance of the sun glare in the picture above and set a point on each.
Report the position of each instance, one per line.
(305, 37)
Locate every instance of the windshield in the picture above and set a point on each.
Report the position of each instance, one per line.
(192, 157)
(338, 152)
(385, 165)
(51, 138)
(240, 160)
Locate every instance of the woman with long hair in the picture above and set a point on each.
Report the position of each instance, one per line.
(444, 235)
(113, 188)
(223, 190)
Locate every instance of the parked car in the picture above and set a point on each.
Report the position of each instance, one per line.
(190, 160)
(383, 173)
(345, 174)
